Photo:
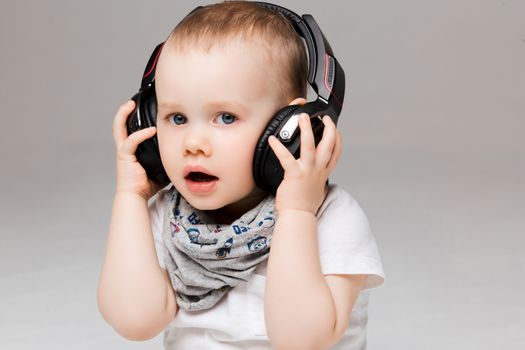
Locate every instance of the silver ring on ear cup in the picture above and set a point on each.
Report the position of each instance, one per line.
(267, 171)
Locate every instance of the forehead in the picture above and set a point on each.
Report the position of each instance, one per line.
(235, 69)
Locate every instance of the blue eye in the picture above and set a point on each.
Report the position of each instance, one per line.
(227, 118)
(177, 119)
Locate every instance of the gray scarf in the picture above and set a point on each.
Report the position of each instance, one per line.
(207, 259)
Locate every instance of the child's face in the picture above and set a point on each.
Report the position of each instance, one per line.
(212, 109)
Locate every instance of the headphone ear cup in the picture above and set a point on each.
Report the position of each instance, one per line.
(143, 116)
(267, 170)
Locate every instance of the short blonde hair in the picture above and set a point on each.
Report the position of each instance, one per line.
(217, 23)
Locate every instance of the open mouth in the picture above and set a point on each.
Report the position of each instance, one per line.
(200, 177)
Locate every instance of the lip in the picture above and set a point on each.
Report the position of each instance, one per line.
(196, 168)
(201, 187)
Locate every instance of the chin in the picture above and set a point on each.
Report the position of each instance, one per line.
(220, 198)
(210, 201)
(204, 203)
(200, 202)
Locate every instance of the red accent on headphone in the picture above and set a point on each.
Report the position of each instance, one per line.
(326, 76)
(154, 62)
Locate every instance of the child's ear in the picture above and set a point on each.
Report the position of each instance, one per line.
(298, 101)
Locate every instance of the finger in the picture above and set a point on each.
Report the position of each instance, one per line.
(338, 149)
(326, 146)
(129, 146)
(307, 148)
(120, 132)
(287, 160)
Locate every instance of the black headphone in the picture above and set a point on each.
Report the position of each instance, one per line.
(325, 76)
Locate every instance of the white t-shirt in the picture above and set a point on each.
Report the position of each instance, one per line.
(346, 246)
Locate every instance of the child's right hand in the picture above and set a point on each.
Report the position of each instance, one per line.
(131, 176)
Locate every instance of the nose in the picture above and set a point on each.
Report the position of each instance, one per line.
(196, 142)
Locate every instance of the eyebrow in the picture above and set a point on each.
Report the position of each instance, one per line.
(211, 105)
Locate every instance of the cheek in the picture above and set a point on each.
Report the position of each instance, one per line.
(167, 147)
(238, 158)
(160, 135)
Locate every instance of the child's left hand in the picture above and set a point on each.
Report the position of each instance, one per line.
(303, 185)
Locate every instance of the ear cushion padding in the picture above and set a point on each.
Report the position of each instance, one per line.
(267, 171)
(147, 152)
(148, 106)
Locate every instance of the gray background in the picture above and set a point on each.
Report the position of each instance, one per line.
(433, 151)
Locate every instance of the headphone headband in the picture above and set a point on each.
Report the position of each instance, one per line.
(325, 75)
